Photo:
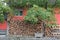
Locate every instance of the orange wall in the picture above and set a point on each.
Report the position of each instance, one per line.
(57, 15)
(24, 12)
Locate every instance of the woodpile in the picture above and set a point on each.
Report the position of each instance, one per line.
(48, 32)
(17, 27)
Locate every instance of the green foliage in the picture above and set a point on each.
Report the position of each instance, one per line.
(38, 2)
(58, 3)
(22, 3)
(3, 9)
(17, 3)
(36, 13)
(1, 16)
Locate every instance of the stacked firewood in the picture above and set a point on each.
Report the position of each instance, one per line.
(48, 31)
(17, 27)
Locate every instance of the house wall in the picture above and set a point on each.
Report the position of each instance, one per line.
(24, 12)
(22, 16)
(57, 15)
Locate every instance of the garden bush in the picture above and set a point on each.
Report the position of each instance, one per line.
(1, 16)
(37, 13)
(3, 9)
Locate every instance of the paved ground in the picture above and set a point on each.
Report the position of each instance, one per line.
(28, 38)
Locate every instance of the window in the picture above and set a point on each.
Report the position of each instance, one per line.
(19, 12)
